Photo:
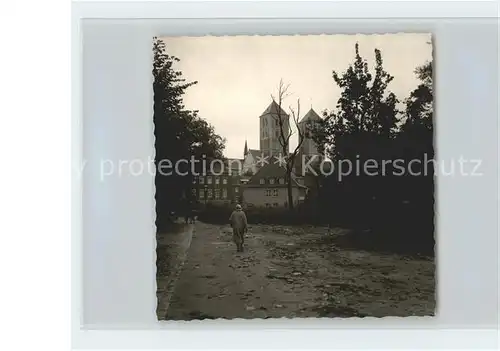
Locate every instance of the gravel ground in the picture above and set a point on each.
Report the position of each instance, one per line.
(295, 272)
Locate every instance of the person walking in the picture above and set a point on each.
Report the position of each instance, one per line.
(238, 221)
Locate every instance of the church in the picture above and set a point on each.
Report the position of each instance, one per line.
(257, 179)
(269, 134)
(262, 176)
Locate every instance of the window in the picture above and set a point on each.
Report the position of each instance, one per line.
(201, 194)
(236, 190)
(268, 192)
(276, 133)
(224, 193)
(224, 181)
(217, 180)
(194, 180)
(209, 180)
(217, 194)
(271, 181)
(209, 193)
(275, 192)
(275, 204)
(193, 192)
(268, 205)
(262, 181)
(282, 181)
(202, 180)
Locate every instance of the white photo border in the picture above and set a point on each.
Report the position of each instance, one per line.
(113, 241)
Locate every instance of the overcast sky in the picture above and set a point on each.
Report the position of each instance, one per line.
(237, 74)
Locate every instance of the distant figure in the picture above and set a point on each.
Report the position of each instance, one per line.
(194, 215)
(189, 218)
(190, 215)
(238, 221)
(185, 211)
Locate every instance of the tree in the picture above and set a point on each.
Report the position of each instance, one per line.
(419, 106)
(363, 109)
(179, 134)
(361, 129)
(364, 127)
(416, 142)
(285, 132)
(413, 204)
(417, 132)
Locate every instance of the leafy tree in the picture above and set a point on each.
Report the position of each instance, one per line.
(367, 126)
(179, 135)
(364, 107)
(419, 106)
(361, 129)
(383, 111)
(416, 137)
(416, 145)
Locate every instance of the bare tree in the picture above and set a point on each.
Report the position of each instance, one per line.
(285, 133)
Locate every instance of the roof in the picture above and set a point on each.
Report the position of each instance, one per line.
(216, 166)
(255, 153)
(273, 109)
(310, 116)
(320, 166)
(271, 170)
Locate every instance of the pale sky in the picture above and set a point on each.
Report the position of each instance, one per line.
(237, 74)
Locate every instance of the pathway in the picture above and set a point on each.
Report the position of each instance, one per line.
(295, 272)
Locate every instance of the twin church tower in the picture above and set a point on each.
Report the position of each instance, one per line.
(269, 132)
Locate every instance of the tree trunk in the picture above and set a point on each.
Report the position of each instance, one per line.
(290, 190)
(318, 185)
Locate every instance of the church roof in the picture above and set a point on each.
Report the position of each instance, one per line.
(255, 153)
(271, 170)
(273, 109)
(310, 116)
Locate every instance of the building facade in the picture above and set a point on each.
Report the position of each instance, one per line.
(221, 187)
(268, 188)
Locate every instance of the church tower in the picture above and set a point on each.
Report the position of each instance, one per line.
(310, 120)
(270, 130)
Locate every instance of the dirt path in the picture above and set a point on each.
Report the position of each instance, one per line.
(295, 272)
(171, 255)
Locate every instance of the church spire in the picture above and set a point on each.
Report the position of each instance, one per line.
(245, 152)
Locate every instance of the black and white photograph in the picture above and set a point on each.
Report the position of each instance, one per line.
(295, 176)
